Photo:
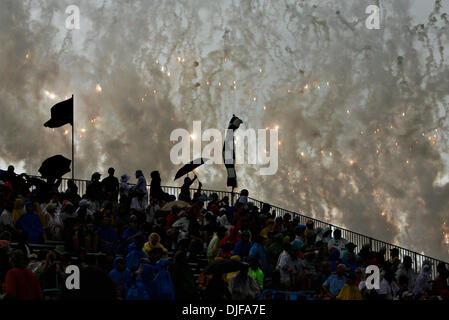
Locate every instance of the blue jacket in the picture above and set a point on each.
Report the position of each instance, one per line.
(242, 248)
(31, 223)
(119, 277)
(260, 253)
(133, 257)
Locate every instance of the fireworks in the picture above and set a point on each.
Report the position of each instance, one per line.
(50, 95)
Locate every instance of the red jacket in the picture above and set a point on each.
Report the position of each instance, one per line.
(22, 284)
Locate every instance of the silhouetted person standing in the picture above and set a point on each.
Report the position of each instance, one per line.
(111, 188)
(185, 189)
(156, 189)
(94, 190)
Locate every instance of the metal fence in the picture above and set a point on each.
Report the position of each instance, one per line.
(354, 237)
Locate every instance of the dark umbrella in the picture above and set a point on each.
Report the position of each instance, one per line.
(190, 167)
(55, 167)
(224, 266)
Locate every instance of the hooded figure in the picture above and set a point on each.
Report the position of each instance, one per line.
(154, 241)
(121, 276)
(135, 253)
(243, 286)
(423, 282)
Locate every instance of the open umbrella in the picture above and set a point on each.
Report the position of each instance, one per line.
(169, 206)
(224, 266)
(190, 167)
(55, 167)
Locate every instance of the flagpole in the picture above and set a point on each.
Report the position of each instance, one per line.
(73, 141)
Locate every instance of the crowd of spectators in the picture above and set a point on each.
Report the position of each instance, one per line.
(138, 243)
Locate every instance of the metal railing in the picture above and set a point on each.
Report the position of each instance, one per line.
(354, 237)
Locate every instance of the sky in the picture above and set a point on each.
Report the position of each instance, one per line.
(361, 114)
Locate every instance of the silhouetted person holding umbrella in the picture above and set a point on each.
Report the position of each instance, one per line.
(185, 189)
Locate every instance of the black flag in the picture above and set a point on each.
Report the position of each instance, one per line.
(61, 114)
(234, 124)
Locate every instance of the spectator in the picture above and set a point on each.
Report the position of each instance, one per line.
(185, 189)
(121, 276)
(18, 210)
(154, 241)
(257, 250)
(291, 268)
(132, 233)
(53, 224)
(300, 239)
(213, 248)
(30, 222)
(388, 287)
(405, 270)
(350, 261)
(72, 189)
(243, 246)
(94, 190)
(110, 190)
(142, 187)
(107, 236)
(255, 272)
(20, 282)
(243, 286)
(310, 230)
(439, 285)
(124, 190)
(135, 253)
(327, 235)
(332, 286)
(337, 242)
(423, 284)
(350, 291)
(139, 205)
(275, 249)
(6, 219)
(155, 187)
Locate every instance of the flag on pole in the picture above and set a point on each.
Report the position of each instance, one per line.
(61, 114)
(228, 147)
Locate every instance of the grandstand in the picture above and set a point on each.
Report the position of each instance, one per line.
(354, 237)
